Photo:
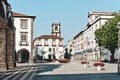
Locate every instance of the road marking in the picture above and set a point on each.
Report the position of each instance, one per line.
(24, 77)
(34, 73)
(22, 72)
(13, 73)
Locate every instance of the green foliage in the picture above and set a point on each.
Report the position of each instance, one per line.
(70, 50)
(107, 35)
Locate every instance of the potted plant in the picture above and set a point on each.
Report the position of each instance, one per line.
(63, 60)
(85, 63)
(98, 65)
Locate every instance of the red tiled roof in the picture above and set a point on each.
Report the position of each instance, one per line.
(49, 37)
(18, 14)
(21, 15)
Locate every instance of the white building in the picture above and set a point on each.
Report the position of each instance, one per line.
(24, 37)
(84, 41)
(79, 43)
(49, 45)
(96, 20)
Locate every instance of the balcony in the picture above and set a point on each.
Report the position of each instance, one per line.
(24, 43)
(39, 45)
(60, 45)
(54, 45)
(46, 45)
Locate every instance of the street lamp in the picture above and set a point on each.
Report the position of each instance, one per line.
(118, 26)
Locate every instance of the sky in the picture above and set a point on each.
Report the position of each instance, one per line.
(72, 14)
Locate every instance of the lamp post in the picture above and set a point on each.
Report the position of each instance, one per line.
(118, 26)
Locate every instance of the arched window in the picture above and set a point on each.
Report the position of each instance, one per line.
(56, 28)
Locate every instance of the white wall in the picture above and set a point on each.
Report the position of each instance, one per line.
(41, 46)
(18, 30)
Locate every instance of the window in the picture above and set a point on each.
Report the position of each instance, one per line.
(46, 42)
(23, 39)
(24, 23)
(40, 42)
(82, 37)
(60, 43)
(24, 36)
(96, 16)
(54, 42)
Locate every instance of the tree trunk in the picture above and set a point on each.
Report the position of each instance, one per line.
(112, 50)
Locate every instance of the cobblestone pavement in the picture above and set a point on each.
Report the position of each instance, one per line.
(75, 71)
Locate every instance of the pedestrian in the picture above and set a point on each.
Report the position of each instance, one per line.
(54, 58)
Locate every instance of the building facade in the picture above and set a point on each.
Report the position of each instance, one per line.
(24, 25)
(85, 42)
(48, 45)
(95, 21)
(78, 43)
(7, 37)
(70, 46)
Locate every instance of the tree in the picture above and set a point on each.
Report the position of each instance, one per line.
(107, 35)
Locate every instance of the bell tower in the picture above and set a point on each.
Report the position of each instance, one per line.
(56, 29)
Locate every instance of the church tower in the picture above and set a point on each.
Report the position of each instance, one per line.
(56, 29)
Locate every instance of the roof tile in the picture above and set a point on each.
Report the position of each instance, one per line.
(49, 37)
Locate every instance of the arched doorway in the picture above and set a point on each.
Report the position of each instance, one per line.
(23, 56)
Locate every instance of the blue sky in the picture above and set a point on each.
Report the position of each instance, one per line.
(72, 14)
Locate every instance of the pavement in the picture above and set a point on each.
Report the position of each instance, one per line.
(78, 68)
(75, 71)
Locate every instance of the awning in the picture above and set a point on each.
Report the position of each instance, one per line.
(79, 52)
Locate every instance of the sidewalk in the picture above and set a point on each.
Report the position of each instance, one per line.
(26, 64)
